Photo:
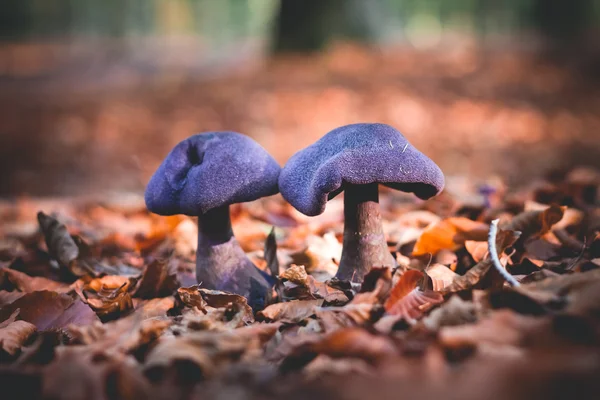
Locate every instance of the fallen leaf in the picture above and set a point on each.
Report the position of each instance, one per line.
(108, 296)
(407, 298)
(299, 285)
(270, 253)
(450, 234)
(441, 276)
(452, 313)
(12, 279)
(157, 280)
(14, 336)
(292, 311)
(343, 343)
(50, 310)
(535, 223)
(477, 250)
(63, 247)
(190, 297)
(8, 297)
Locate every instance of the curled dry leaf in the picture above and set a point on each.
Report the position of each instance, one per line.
(63, 247)
(14, 336)
(535, 223)
(441, 276)
(295, 274)
(157, 280)
(299, 285)
(270, 253)
(190, 297)
(477, 250)
(237, 308)
(408, 298)
(50, 310)
(292, 311)
(375, 288)
(450, 233)
(108, 296)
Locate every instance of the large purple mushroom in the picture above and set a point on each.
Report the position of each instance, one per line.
(355, 159)
(202, 176)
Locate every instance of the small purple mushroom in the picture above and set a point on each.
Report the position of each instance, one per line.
(202, 176)
(355, 159)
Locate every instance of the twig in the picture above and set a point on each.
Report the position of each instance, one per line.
(494, 255)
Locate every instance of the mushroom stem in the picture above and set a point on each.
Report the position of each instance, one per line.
(364, 242)
(221, 263)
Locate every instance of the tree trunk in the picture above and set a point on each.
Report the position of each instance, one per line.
(309, 25)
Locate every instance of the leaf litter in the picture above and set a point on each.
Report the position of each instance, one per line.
(111, 310)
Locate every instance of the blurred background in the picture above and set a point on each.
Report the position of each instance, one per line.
(93, 94)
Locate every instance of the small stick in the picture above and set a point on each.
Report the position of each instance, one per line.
(494, 255)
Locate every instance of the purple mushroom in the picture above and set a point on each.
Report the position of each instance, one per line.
(202, 176)
(355, 159)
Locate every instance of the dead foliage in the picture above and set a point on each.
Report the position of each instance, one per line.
(118, 315)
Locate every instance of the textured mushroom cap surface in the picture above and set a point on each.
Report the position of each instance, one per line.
(210, 170)
(357, 154)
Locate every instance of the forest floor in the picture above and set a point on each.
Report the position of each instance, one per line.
(98, 300)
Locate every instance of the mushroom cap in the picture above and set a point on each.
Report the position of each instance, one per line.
(357, 154)
(210, 170)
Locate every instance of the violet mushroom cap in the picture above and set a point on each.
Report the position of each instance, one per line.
(356, 158)
(202, 176)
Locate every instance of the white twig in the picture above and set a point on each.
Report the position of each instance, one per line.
(494, 255)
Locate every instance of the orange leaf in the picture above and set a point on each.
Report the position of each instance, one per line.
(477, 250)
(450, 234)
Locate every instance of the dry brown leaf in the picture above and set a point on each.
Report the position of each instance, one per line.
(293, 311)
(450, 234)
(295, 274)
(535, 223)
(343, 343)
(452, 313)
(13, 279)
(504, 331)
(200, 355)
(441, 276)
(50, 310)
(408, 299)
(14, 336)
(299, 285)
(108, 296)
(236, 306)
(190, 297)
(157, 280)
(8, 297)
(63, 247)
(477, 250)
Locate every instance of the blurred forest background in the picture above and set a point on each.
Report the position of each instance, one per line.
(93, 94)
